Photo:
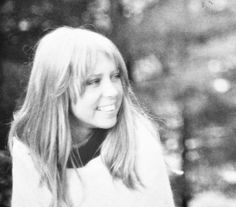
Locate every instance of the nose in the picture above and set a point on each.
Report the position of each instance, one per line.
(110, 89)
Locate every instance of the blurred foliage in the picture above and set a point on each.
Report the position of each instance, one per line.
(181, 60)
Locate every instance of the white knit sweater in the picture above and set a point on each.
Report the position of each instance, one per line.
(95, 188)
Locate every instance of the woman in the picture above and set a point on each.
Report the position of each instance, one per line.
(80, 138)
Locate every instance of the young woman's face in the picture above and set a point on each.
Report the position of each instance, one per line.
(99, 104)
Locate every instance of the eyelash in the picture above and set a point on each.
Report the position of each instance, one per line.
(96, 81)
(116, 75)
(93, 82)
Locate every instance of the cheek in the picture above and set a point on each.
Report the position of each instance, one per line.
(76, 110)
(121, 91)
(120, 88)
(82, 112)
(81, 108)
(120, 98)
(89, 99)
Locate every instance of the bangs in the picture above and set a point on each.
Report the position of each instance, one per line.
(81, 65)
(84, 61)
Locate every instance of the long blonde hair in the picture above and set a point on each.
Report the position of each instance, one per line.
(62, 60)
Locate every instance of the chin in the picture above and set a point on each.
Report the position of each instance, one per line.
(107, 124)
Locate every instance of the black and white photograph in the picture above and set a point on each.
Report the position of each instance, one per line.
(118, 103)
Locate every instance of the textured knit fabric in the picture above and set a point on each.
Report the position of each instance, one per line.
(95, 187)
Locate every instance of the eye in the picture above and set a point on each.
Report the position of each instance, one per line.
(116, 75)
(93, 82)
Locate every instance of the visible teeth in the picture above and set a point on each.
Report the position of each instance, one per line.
(106, 108)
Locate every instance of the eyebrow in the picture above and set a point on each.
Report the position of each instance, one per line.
(99, 74)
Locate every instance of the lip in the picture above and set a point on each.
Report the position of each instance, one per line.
(107, 107)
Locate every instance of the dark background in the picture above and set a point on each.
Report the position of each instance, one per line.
(181, 57)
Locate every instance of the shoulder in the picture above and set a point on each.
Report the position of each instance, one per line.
(21, 158)
(151, 167)
(149, 156)
(23, 166)
(148, 141)
(27, 189)
(19, 149)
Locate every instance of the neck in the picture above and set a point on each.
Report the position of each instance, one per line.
(80, 133)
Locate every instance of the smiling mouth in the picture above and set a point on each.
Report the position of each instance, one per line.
(107, 108)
